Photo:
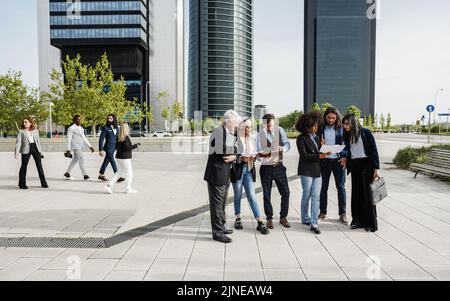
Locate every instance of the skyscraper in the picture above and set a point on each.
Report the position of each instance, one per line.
(220, 57)
(118, 28)
(144, 41)
(340, 44)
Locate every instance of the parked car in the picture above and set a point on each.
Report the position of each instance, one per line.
(161, 134)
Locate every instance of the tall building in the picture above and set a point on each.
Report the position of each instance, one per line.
(49, 56)
(340, 44)
(220, 57)
(144, 40)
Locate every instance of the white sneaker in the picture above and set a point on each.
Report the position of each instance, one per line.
(108, 189)
(131, 191)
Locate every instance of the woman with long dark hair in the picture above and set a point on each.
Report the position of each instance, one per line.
(28, 144)
(364, 165)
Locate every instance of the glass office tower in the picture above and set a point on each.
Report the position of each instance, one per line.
(119, 28)
(220, 57)
(340, 44)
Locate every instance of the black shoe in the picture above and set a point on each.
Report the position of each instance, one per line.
(228, 232)
(86, 178)
(354, 227)
(238, 224)
(102, 178)
(120, 180)
(23, 187)
(44, 185)
(224, 239)
(67, 175)
(262, 228)
(316, 230)
(371, 230)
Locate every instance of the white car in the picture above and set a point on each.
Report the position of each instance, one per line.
(161, 134)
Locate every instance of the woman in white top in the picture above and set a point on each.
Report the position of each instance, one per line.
(28, 144)
(243, 176)
(364, 165)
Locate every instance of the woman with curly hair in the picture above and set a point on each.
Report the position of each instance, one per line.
(308, 145)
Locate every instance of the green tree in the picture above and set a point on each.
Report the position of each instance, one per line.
(382, 122)
(92, 92)
(354, 110)
(370, 121)
(389, 122)
(17, 101)
(288, 122)
(316, 107)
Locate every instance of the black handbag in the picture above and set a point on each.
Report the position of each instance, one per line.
(378, 191)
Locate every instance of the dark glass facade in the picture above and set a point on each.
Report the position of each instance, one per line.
(340, 44)
(119, 28)
(220, 57)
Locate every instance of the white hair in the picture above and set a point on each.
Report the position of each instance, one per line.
(232, 117)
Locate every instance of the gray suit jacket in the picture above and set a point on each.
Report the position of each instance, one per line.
(23, 145)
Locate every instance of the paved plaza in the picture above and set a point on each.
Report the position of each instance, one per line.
(75, 231)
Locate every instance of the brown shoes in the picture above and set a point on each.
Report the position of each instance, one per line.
(270, 224)
(322, 216)
(343, 219)
(285, 223)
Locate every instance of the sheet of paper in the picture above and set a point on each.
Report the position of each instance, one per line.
(334, 149)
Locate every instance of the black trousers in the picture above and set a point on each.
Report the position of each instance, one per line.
(364, 213)
(278, 174)
(218, 196)
(329, 166)
(25, 160)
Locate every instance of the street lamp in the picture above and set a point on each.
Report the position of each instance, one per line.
(435, 103)
(147, 91)
(50, 104)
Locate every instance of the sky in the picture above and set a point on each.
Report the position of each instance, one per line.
(413, 53)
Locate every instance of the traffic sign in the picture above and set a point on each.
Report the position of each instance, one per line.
(430, 109)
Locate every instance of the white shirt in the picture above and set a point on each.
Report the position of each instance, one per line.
(357, 149)
(30, 136)
(330, 138)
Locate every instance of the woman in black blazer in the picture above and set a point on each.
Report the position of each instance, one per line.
(308, 145)
(364, 165)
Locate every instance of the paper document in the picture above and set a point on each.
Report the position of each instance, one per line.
(334, 149)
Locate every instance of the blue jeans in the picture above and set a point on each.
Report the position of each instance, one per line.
(340, 177)
(109, 158)
(311, 198)
(247, 183)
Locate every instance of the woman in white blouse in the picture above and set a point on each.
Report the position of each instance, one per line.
(28, 144)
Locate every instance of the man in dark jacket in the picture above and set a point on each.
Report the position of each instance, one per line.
(221, 156)
(107, 146)
(332, 133)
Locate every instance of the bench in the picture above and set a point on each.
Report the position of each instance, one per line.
(437, 165)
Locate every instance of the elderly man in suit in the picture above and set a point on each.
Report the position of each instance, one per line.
(222, 154)
(77, 141)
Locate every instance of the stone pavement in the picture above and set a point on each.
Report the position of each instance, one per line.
(413, 242)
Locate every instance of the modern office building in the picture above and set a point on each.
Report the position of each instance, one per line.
(340, 44)
(144, 40)
(220, 57)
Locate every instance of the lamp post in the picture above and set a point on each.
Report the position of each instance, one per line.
(435, 103)
(147, 91)
(50, 104)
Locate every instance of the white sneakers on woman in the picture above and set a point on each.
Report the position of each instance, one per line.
(108, 190)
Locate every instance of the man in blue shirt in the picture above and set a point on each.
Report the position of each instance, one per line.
(273, 140)
(332, 134)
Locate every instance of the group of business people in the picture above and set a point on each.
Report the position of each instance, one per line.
(114, 144)
(234, 151)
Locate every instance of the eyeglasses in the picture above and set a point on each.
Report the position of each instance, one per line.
(346, 123)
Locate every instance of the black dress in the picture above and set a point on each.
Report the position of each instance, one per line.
(364, 213)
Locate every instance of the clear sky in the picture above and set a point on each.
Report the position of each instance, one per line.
(413, 53)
